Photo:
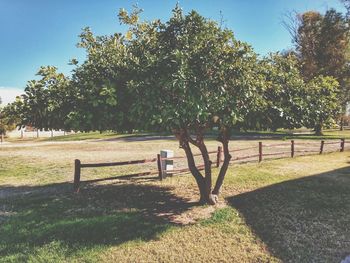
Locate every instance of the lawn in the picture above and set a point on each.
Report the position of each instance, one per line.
(286, 210)
(110, 135)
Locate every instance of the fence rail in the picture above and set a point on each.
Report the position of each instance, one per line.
(261, 151)
(78, 166)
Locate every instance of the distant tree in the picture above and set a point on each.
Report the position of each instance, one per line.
(10, 116)
(283, 104)
(290, 102)
(59, 100)
(102, 100)
(323, 104)
(47, 102)
(322, 45)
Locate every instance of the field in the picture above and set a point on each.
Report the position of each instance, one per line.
(286, 210)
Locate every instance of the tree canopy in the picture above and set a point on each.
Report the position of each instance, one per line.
(322, 43)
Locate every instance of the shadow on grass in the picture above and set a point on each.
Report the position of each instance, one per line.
(141, 138)
(154, 136)
(303, 220)
(101, 215)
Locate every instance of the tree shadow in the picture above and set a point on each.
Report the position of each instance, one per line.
(140, 138)
(302, 220)
(99, 215)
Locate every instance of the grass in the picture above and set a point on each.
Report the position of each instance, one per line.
(99, 136)
(109, 135)
(82, 136)
(287, 210)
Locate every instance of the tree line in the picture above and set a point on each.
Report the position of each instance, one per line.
(187, 75)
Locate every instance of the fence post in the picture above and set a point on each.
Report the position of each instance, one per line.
(322, 146)
(77, 169)
(2, 137)
(342, 144)
(160, 170)
(260, 152)
(218, 157)
(292, 148)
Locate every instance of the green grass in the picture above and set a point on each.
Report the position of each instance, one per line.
(105, 135)
(109, 135)
(289, 210)
(282, 134)
(66, 226)
(83, 136)
(263, 134)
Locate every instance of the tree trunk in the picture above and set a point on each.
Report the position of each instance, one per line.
(342, 123)
(207, 170)
(204, 183)
(194, 170)
(227, 157)
(318, 130)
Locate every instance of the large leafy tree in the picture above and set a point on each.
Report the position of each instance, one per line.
(102, 98)
(322, 44)
(58, 97)
(323, 103)
(46, 102)
(283, 103)
(290, 102)
(11, 115)
(192, 75)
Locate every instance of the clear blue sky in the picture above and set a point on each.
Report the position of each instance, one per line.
(45, 32)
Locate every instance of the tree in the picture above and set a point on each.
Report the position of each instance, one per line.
(283, 102)
(191, 76)
(101, 96)
(322, 44)
(46, 102)
(10, 116)
(322, 98)
(58, 98)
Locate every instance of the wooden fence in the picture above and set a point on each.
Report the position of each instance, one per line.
(78, 165)
(256, 153)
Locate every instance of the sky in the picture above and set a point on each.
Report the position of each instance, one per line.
(45, 32)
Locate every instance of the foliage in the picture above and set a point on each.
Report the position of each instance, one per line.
(323, 102)
(192, 75)
(45, 102)
(10, 116)
(102, 99)
(322, 43)
(283, 104)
